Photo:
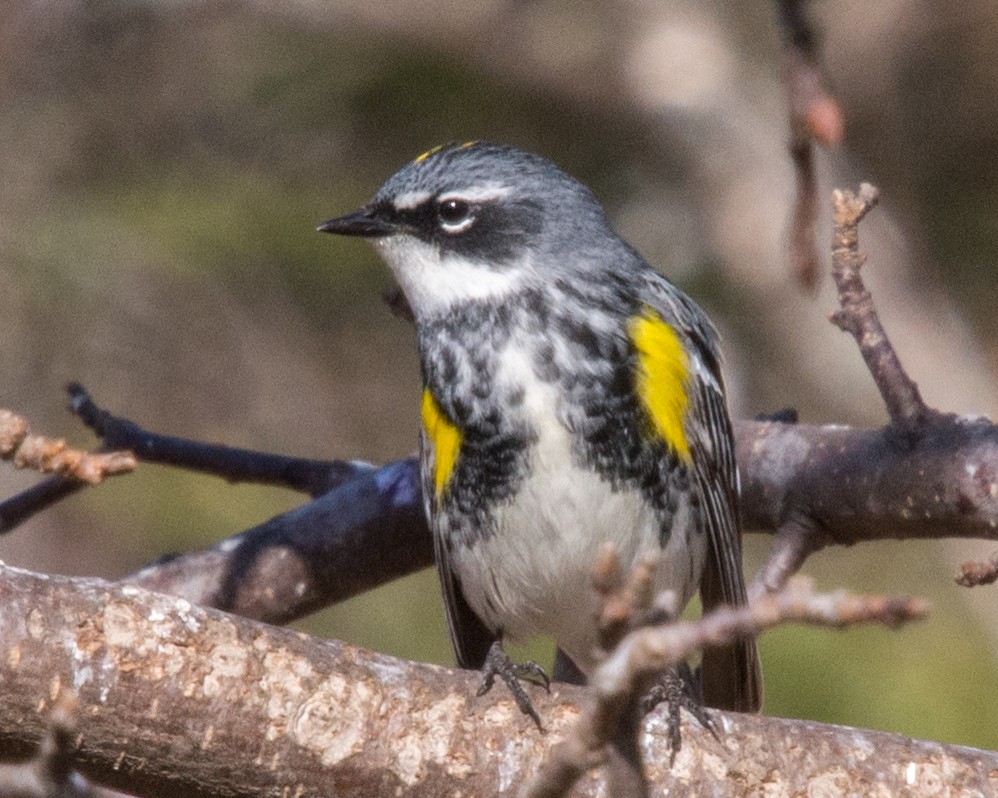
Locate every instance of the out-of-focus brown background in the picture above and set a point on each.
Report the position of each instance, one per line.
(163, 166)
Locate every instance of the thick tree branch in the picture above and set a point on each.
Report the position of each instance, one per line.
(813, 485)
(847, 485)
(181, 700)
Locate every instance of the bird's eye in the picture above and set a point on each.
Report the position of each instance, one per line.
(455, 215)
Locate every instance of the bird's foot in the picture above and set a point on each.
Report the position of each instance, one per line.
(498, 663)
(677, 690)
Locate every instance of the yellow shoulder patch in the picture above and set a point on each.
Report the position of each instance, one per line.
(445, 438)
(662, 378)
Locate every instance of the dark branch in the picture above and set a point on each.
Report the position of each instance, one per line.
(366, 532)
(844, 485)
(313, 477)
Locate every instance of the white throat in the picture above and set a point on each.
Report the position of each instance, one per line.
(435, 283)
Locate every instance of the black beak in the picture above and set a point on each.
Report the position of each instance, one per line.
(365, 222)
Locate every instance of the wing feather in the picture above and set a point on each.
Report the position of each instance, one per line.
(732, 676)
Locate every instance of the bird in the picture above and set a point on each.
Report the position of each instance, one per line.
(572, 400)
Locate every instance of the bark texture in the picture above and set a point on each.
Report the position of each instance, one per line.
(175, 699)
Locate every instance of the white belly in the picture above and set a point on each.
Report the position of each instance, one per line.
(536, 569)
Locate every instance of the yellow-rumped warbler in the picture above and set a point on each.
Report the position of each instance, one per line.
(572, 398)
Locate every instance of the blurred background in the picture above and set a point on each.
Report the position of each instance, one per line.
(163, 167)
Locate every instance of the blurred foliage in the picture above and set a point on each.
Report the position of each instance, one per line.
(163, 171)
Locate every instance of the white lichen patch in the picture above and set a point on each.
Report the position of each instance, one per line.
(226, 663)
(36, 624)
(121, 626)
(286, 681)
(831, 783)
(931, 777)
(427, 741)
(333, 722)
(501, 713)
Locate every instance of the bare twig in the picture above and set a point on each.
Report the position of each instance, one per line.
(53, 456)
(973, 574)
(630, 670)
(796, 539)
(624, 603)
(814, 116)
(858, 316)
(313, 477)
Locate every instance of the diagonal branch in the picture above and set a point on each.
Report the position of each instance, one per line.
(630, 670)
(858, 316)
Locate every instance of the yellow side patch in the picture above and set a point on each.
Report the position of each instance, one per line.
(663, 377)
(445, 438)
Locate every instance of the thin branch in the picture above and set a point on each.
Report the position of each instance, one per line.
(313, 477)
(858, 316)
(796, 539)
(645, 653)
(53, 455)
(814, 116)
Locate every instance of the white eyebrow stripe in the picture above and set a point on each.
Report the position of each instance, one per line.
(411, 199)
(486, 193)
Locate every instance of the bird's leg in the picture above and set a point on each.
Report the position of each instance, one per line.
(677, 687)
(498, 663)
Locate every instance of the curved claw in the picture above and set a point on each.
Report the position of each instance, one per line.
(498, 663)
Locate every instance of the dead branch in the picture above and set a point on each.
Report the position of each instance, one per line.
(630, 670)
(815, 116)
(314, 477)
(973, 574)
(858, 316)
(182, 700)
(846, 485)
(814, 485)
(53, 456)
